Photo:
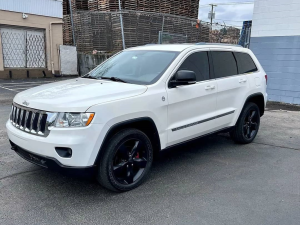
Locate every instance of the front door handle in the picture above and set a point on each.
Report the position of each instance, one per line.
(243, 80)
(209, 87)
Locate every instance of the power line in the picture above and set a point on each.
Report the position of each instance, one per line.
(228, 3)
(226, 25)
(232, 20)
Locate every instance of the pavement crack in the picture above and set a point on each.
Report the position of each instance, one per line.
(16, 174)
(278, 146)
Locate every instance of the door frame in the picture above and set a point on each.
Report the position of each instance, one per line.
(183, 58)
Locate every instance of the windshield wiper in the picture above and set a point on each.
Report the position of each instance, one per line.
(114, 79)
(89, 76)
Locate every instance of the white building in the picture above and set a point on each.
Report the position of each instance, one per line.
(275, 40)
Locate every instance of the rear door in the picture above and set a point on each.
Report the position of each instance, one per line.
(232, 87)
(191, 108)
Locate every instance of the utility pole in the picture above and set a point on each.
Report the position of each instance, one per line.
(212, 14)
(122, 28)
(72, 23)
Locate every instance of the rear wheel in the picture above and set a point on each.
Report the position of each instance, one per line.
(126, 161)
(247, 125)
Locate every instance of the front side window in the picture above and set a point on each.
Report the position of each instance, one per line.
(224, 64)
(136, 67)
(197, 62)
(245, 63)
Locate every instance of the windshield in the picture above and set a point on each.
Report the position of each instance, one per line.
(136, 67)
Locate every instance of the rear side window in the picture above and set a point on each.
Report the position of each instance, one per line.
(245, 63)
(197, 62)
(224, 64)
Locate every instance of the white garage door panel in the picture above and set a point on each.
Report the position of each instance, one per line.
(35, 49)
(13, 47)
(23, 48)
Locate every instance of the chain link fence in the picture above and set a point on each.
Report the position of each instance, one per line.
(169, 38)
(224, 34)
(101, 31)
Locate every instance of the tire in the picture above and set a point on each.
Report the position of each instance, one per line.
(247, 125)
(126, 161)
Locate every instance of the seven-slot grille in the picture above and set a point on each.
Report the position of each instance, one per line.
(29, 120)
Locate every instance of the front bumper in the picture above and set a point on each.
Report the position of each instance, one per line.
(84, 142)
(53, 164)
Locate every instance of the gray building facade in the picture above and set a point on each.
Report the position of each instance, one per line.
(275, 40)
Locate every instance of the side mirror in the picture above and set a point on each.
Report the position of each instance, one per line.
(183, 77)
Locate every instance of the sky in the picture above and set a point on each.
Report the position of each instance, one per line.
(232, 15)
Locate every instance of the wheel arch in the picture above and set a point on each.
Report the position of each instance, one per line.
(259, 100)
(145, 124)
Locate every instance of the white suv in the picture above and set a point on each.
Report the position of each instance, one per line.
(140, 101)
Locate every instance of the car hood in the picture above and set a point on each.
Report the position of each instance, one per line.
(76, 95)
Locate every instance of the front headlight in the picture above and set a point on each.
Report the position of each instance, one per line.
(73, 119)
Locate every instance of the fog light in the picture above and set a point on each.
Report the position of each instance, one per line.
(64, 152)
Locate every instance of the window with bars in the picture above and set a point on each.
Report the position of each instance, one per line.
(23, 48)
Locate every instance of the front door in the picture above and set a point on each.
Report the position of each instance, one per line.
(192, 108)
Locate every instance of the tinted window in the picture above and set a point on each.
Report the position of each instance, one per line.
(245, 63)
(197, 62)
(224, 64)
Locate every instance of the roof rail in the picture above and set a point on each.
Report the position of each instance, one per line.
(222, 44)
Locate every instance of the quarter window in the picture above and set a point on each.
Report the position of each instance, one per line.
(224, 64)
(197, 62)
(245, 63)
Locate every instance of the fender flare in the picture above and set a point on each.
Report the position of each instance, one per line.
(125, 123)
(258, 94)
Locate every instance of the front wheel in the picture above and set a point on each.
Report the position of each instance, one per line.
(126, 161)
(247, 125)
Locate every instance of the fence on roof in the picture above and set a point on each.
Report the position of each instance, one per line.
(97, 24)
(187, 8)
(101, 31)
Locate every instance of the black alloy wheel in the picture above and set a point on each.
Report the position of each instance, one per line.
(247, 125)
(125, 161)
(250, 127)
(130, 161)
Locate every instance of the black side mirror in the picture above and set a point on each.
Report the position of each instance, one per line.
(183, 77)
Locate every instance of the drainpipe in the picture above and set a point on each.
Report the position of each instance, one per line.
(51, 44)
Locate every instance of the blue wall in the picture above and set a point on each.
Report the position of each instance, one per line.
(280, 58)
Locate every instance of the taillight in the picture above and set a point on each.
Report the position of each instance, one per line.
(266, 76)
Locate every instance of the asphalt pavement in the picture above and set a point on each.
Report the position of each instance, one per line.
(208, 181)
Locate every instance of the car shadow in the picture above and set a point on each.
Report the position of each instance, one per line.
(169, 163)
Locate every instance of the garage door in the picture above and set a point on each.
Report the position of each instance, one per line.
(23, 48)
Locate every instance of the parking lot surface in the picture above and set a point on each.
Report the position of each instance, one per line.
(208, 181)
